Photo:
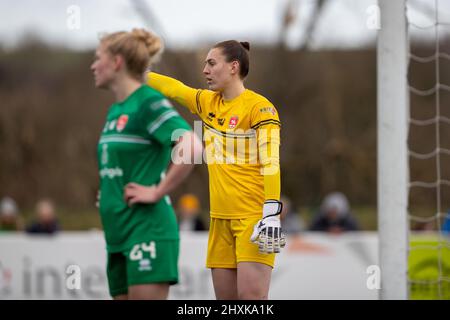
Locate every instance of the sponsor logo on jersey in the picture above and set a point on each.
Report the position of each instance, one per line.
(111, 172)
(122, 122)
(270, 110)
(221, 121)
(233, 122)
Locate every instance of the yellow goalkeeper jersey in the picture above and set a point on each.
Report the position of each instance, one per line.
(242, 138)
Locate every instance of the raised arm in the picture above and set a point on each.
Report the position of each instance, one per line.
(178, 91)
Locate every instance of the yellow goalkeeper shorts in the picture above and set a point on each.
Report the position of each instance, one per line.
(229, 243)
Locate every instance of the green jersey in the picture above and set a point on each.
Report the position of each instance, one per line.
(135, 146)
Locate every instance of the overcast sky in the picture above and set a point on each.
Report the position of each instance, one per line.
(188, 23)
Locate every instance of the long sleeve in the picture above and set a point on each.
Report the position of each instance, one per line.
(265, 121)
(178, 91)
(269, 154)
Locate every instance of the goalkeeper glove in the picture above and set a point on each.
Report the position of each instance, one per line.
(267, 232)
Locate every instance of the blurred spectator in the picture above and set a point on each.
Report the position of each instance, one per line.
(46, 221)
(334, 215)
(189, 213)
(9, 215)
(291, 222)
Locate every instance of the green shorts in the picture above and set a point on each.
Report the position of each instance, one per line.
(144, 263)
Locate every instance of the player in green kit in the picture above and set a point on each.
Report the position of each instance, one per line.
(141, 133)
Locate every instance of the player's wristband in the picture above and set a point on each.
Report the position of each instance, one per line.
(272, 208)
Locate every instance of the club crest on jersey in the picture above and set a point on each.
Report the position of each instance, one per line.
(233, 122)
(122, 122)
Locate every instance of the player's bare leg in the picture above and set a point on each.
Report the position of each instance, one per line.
(225, 283)
(121, 297)
(253, 280)
(156, 291)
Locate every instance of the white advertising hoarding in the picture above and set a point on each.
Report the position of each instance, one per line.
(71, 265)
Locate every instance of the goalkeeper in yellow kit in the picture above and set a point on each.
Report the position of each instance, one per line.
(241, 130)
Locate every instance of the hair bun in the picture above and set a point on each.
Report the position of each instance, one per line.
(151, 41)
(140, 34)
(246, 45)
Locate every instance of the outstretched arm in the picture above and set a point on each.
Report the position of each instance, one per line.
(176, 90)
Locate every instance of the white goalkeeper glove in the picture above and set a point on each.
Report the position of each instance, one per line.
(267, 232)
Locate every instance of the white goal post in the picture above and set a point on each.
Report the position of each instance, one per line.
(393, 168)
